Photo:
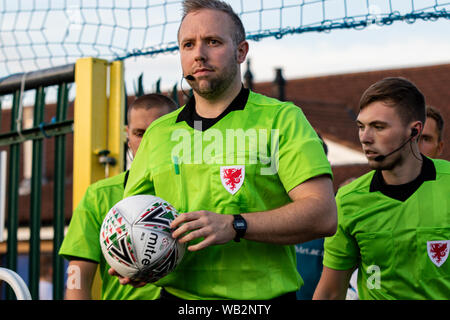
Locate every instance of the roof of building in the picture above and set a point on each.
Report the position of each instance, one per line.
(331, 102)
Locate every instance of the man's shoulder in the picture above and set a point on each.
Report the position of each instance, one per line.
(261, 100)
(273, 108)
(111, 182)
(358, 185)
(166, 120)
(442, 166)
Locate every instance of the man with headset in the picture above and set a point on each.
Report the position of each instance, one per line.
(240, 217)
(393, 222)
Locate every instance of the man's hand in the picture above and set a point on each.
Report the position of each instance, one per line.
(213, 227)
(126, 280)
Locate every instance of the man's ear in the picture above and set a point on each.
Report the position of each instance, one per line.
(127, 135)
(416, 130)
(242, 50)
(440, 148)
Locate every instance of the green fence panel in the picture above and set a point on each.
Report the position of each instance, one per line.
(36, 196)
(59, 195)
(13, 195)
(60, 126)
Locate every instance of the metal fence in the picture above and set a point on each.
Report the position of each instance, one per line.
(97, 127)
(16, 85)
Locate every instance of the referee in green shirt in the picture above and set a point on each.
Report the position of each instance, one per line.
(81, 244)
(247, 172)
(393, 222)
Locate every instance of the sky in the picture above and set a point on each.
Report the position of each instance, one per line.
(299, 55)
(313, 54)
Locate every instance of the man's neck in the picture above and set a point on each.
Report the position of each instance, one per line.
(212, 108)
(405, 172)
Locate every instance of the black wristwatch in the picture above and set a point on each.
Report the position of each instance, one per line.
(240, 226)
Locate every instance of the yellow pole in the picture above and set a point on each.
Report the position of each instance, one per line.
(116, 114)
(90, 124)
(115, 139)
(98, 125)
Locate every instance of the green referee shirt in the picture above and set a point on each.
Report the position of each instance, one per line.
(398, 236)
(82, 240)
(246, 160)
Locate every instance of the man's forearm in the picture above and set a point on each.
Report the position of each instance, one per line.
(78, 294)
(311, 215)
(308, 217)
(79, 281)
(333, 284)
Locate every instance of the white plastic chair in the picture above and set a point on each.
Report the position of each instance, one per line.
(16, 282)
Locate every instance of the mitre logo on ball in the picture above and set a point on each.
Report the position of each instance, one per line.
(136, 239)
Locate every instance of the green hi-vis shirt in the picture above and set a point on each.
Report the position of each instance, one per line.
(83, 238)
(398, 236)
(247, 160)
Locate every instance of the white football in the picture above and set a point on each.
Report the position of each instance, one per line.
(136, 239)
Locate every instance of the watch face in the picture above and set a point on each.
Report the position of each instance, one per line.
(240, 224)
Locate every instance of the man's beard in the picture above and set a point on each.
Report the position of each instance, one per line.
(215, 87)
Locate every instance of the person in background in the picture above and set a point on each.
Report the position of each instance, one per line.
(393, 222)
(81, 244)
(430, 141)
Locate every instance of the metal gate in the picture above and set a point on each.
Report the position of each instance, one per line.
(97, 127)
(16, 85)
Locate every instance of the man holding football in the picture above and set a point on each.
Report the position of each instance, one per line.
(242, 210)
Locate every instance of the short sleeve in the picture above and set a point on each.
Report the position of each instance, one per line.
(82, 238)
(341, 250)
(301, 153)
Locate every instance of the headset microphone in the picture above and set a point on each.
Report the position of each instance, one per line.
(187, 77)
(413, 134)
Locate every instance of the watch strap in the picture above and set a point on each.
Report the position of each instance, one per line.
(240, 226)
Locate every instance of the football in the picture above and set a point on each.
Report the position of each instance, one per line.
(136, 239)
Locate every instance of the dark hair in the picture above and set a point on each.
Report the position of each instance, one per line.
(152, 100)
(399, 93)
(194, 5)
(436, 115)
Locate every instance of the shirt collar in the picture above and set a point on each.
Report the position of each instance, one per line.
(404, 191)
(189, 114)
(126, 178)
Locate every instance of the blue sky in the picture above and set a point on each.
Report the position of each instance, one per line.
(312, 54)
(318, 53)
(300, 55)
